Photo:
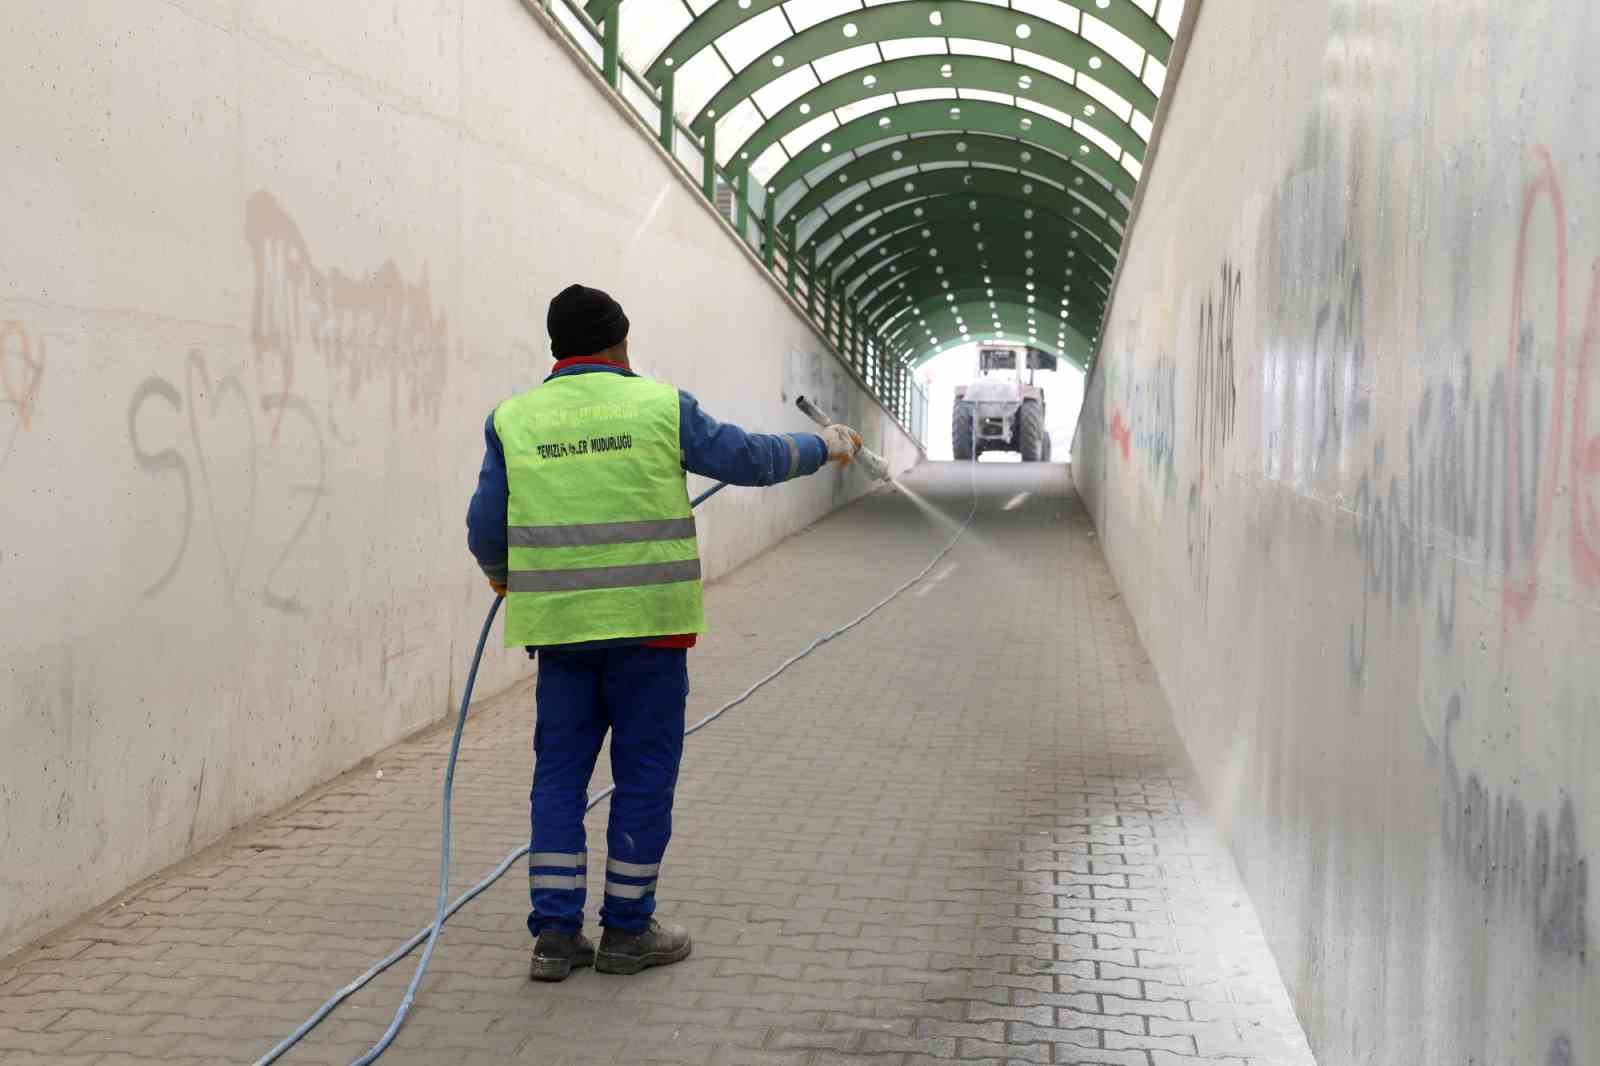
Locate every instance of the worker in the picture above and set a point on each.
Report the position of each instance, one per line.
(581, 519)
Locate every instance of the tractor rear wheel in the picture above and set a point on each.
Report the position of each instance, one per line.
(1032, 434)
(961, 431)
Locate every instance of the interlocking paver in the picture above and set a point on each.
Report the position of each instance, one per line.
(963, 833)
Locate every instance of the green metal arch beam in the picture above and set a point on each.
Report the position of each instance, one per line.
(906, 263)
(941, 321)
(923, 72)
(894, 320)
(906, 254)
(994, 189)
(926, 351)
(969, 19)
(912, 319)
(968, 148)
(1000, 194)
(926, 354)
(911, 279)
(874, 309)
(1049, 307)
(905, 267)
(946, 212)
(977, 317)
(726, 15)
(1008, 260)
(1061, 353)
(953, 246)
(997, 234)
(977, 116)
(941, 317)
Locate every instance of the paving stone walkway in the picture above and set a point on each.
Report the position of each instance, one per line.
(966, 833)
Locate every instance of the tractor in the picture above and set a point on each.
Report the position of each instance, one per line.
(998, 413)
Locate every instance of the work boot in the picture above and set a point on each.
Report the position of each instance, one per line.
(555, 954)
(658, 945)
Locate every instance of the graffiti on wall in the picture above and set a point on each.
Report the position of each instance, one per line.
(1533, 865)
(1154, 403)
(1144, 413)
(22, 362)
(1216, 391)
(379, 330)
(1571, 449)
(1485, 462)
(175, 435)
(1449, 498)
(1497, 464)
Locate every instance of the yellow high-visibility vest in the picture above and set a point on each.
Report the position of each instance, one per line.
(601, 534)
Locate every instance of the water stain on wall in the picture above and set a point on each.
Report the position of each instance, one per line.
(1314, 408)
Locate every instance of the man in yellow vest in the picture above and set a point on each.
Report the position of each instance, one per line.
(581, 519)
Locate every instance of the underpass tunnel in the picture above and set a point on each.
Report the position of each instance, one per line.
(921, 174)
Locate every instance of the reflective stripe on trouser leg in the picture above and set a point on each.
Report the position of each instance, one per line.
(557, 871)
(645, 690)
(630, 880)
(567, 736)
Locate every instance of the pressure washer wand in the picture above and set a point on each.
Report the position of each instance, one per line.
(874, 464)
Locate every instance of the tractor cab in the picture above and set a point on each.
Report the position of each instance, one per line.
(999, 411)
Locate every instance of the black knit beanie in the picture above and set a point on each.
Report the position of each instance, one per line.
(583, 321)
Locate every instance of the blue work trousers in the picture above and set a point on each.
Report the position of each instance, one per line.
(639, 694)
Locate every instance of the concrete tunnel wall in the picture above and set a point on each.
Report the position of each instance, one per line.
(266, 270)
(1343, 448)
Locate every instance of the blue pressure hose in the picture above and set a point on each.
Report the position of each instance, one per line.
(443, 913)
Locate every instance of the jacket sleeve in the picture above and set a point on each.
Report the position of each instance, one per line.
(486, 514)
(725, 452)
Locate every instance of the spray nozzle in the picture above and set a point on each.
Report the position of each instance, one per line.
(874, 464)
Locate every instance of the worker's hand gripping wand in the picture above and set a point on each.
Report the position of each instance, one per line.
(874, 464)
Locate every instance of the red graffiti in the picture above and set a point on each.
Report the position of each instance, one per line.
(1121, 433)
(21, 387)
(368, 331)
(1522, 589)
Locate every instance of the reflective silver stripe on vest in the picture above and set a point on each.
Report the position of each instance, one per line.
(632, 869)
(582, 536)
(604, 577)
(569, 884)
(628, 891)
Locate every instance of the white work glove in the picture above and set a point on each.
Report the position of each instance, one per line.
(842, 442)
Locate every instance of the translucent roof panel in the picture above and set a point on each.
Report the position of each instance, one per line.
(646, 31)
(1016, 125)
(1121, 49)
(787, 89)
(804, 14)
(743, 45)
(964, 46)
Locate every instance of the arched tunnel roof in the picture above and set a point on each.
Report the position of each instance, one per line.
(962, 169)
